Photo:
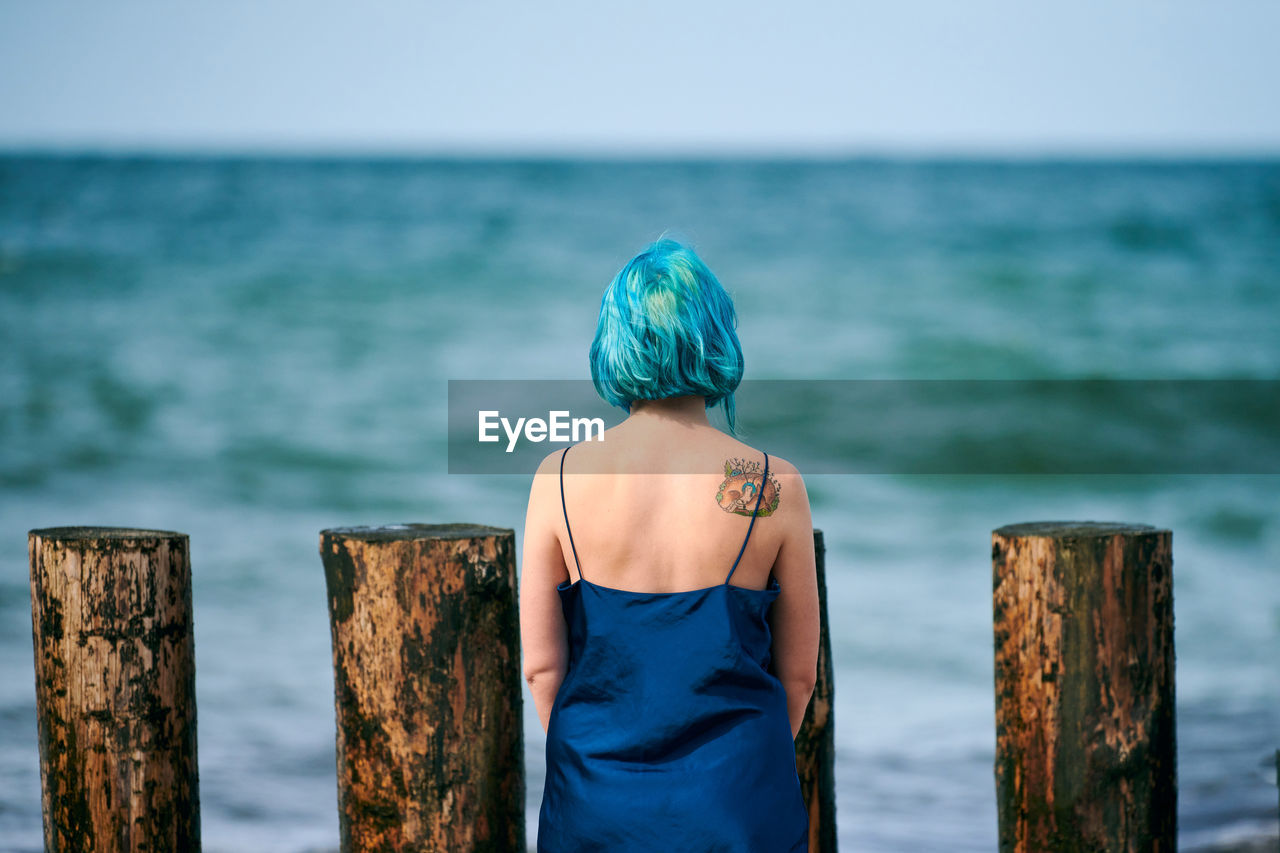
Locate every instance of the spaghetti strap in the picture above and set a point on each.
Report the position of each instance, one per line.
(566, 516)
(764, 479)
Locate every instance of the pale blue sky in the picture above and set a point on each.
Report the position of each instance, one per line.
(698, 76)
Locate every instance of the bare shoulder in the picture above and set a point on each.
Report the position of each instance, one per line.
(550, 463)
(782, 467)
(544, 489)
(790, 483)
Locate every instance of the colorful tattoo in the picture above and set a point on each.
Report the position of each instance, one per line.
(741, 489)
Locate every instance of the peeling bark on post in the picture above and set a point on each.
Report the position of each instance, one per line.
(815, 743)
(1084, 680)
(115, 688)
(427, 687)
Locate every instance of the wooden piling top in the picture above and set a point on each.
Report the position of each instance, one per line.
(74, 534)
(1074, 529)
(115, 688)
(427, 687)
(403, 532)
(1086, 750)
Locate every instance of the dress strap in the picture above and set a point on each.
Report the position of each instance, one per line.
(566, 516)
(759, 495)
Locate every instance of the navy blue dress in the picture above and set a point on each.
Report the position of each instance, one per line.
(669, 733)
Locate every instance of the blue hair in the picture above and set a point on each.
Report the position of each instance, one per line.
(666, 329)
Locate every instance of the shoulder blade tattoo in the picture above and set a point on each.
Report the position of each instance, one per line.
(741, 487)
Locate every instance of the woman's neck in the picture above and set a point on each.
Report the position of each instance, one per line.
(687, 411)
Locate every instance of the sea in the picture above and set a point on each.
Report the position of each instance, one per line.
(252, 348)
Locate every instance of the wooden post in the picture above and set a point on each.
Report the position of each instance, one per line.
(115, 688)
(1084, 681)
(815, 742)
(427, 687)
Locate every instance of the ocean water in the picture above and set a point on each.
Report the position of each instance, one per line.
(252, 350)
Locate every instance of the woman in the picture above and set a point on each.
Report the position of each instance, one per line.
(668, 595)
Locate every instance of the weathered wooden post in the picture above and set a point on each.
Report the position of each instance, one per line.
(1084, 672)
(115, 688)
(815, 742)
(427, 687)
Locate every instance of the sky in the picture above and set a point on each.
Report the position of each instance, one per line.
(685, 77)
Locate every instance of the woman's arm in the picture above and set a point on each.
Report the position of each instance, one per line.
(543, 634)
(795, 613)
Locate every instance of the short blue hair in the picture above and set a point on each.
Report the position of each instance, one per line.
(666, 329)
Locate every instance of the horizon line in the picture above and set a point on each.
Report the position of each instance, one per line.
(487, 152)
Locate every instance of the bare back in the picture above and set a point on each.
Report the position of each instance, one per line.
(651, 518)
